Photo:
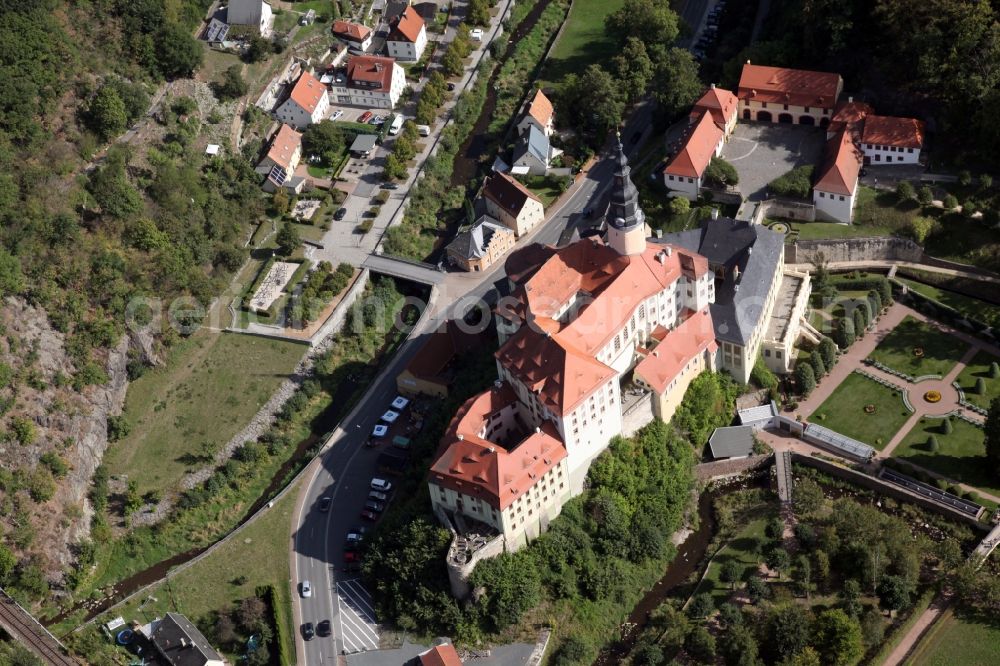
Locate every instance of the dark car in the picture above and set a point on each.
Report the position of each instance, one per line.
(451, 86)
(324, 504)
(372, 505)
(369, 515)
(390, 186)
(323, 628)
(308, 631)
(373, 441)
(351, 556)
(356, 534)
(340, 214)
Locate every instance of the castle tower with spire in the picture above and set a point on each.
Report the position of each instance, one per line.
(626, 221)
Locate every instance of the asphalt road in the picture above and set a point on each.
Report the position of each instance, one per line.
(344, 470)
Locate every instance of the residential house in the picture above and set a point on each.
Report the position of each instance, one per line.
(440, 655)
(892, 140)
(685, 172)
(836, 189)
(721, 104)
(515, 454)
(481, 246)
(306, 104)
(432, 368)
(849, 115)
(372, 82)
(407, 36)
(355, 35)
(179, 643)
(538, 113)
(394, 8)
(255, 15)
(533, 153)
(792, 96)
(283, 156)
(747, 263)
(513, 204)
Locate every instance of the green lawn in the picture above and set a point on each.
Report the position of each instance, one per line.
(821, 230)
(966, 305)
(941, 351)
(845, 300)
(959, 639)
(260, 553)
(183, 412)
(978, 367)
(739, 549)
(962, 454)
(583, 40)
(844, 411)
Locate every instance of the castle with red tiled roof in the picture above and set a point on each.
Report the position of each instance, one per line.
(573, 327)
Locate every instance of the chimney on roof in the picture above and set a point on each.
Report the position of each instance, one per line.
(711, 86)
(661, 257)
(537, 430)
(492, 450)
(850, 98)
(668, 250)
(461, 436)
(748, 61)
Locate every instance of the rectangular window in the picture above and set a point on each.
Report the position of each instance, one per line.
(909, 150)
(869, 146)
(670, 177)
(841, 197)
(786, 107)
(690, 180)
(767, 353)
(777, 354)
(807, 109)
(822, 195)
(763, 105)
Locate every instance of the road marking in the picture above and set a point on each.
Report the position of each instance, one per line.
(750, 152)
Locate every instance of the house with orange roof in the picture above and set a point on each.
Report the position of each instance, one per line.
(836, 189)
(371, 82)
(281, 159)
(307, 103)
(790, 96)
(511, 203)
(721, 104)
(538, 113)
(892, 140)
(684, 173)
(440, 655)
(407, 36)
(355, 35)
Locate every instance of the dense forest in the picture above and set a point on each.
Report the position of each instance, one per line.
(938, 59)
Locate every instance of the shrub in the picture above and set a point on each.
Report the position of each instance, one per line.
(118, 428)
(805, 377)
(964, 178)
(816, 361)
(950, 202)
(904, 191)
(721, 172)
(925, 195)
(980, 388)
(844, 333)
(828, 350)
(932, 444)
(796, 183)
(946, 427)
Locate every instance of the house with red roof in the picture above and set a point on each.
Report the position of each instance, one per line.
(538, 113)
(790, 96)
(281, 159)
(440, 655)
(307, 103)
(355, 35)
(892, 140)
(835, 190)
(371, 82)
(511, 203)
(407, 36)
(721, 104)
(685, 172)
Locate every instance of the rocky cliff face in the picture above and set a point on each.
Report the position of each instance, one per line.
(68, 423)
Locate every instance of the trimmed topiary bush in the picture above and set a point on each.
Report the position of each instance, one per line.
(932, 444)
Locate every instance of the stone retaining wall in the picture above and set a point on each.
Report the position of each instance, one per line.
(855, 249)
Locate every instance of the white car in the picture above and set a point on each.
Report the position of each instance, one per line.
(477, 34)
(390, 416)
(307, 590)
(380, 430)
(381, 485)
(400, 403)
(336, 114)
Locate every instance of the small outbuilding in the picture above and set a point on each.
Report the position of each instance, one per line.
(364, 144)
(731, 442)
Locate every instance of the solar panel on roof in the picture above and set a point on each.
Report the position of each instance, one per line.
(278, 175)
(217, 31)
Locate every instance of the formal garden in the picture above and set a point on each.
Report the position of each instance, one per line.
(951, 447)
(917, 348)
(980, 379)
(863, 409)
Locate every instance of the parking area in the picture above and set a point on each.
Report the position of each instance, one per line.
(761, 152)
(358, 628)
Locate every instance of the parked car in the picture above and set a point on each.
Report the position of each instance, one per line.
(399, 403)
(390, 186)
(390, 416)
(381, 430)
(369, 515)
(352, 556)
(307, 590)
(365, 117)
(476, 35)
(336, 114)
(382, 485)
(324, 504)
(356, 534)
(340, 214)
(377, 496)
(308, 631)
(451, 86)
(323, 629)
(377, 507)
(372, 442)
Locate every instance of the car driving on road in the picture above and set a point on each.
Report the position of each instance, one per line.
(308, 631)
(324, 504)
(323, 629)
(307, 590)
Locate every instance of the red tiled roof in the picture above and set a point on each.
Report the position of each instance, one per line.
(440, 655)
(440, 349)
(283, 147)
(370, 69)
(893, 131)
(352, 32)
(789, 86)
(308, 92)
(540, 108)
(523, 262)
(850, 115)
(506, 192)
(406, 27)
(699, 147)
(694, 336)
(719, 102)
(473, 465)
(841, 166)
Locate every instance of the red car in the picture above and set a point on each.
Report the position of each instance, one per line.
(369, 515)
(364, 117)
(352, 556)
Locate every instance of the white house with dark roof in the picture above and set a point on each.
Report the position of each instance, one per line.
(533, 153)
(482, 245)
(254, 14)
(179, 643)
(513, 204)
